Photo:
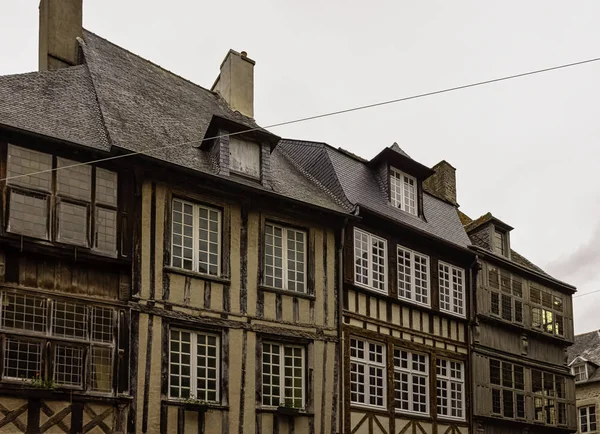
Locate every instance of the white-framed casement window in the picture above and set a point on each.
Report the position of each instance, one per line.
(508, 389)
(370, 260)
(450, 382)
(403, 191)
(452, 289)
(580, 372)
(196, 237)
(194, 365)
(80, 339)
(283, 381)
(411, 385)
(367, 373)
(587, 419)
(285, 257)
(413, 276)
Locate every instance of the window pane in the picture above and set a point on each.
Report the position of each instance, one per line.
(106, 230)
(69, 320)
(295, 260)
(496, 403)
(271, 375)
(293, 392)
(73, 224)
(207, 368)
(68, 363)
(22, 359)
(506, 307)
(106, 187)
(444, 283)
(210, 238)
(495, 301)
(28, 215)
(182, 235)
(404, 273)
(421, 279)
(378, 259)
(24, 312)
(102, 324)
(74, 182)
(102, 368)
(361, 257)
(22, 161)
(180, 364)
(274, 256)
(410, 193)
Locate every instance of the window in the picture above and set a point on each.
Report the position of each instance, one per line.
(413, 276)
(500, 244)
(370, 260)
(367, 373)
(77, 203)
(506, 295)
(452, 288)
(285, 258)
(580, 372)
(508, 389)
(403, 191)
(450, 388)
(587, 419)
(80, 338)
(196, 238)
(282, 375)
(244, 157)
(549, 398)
(411, 382)
(546, 310)
(193, 365)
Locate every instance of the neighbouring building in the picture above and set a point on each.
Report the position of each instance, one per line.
(406, 291)
(584, 361)
(522, 326)
(191, 287)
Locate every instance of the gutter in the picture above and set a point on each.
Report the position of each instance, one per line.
(339, 325)
(471, 327)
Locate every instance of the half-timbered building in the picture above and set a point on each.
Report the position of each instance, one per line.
(406, 292)
(523, 324)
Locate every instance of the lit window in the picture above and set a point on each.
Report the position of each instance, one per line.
(367, 373)
(508, 389)
(452, 289)
(411, 382)
(370, 260)
(285, 258)
(549, 398)
(282, 375)
(196, 238)
(547, 310)
(587, 419)
(403, 191)
(450, 388)
(413, 276)
(580, 373)
(500, 246)
(194, 366)
(244, 157)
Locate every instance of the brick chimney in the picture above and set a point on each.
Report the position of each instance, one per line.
(442, 183)
(235, 82)
(61, 23)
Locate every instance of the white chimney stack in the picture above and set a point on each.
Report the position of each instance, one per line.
(235, 82)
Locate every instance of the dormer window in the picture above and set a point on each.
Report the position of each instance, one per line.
(403, 191)
(500, 243)
(244, 157)
(580, 372)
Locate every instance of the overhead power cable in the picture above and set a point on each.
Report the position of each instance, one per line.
(319, 116)
(586, 293)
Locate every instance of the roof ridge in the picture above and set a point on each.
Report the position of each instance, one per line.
(150, 62)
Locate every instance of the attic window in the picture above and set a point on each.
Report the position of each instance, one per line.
(403, 191)
(244, 157)
(580, 373)
(500, 243)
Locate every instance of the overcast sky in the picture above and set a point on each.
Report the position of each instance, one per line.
(524, 149)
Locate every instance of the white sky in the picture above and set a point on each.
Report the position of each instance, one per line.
(524, 149)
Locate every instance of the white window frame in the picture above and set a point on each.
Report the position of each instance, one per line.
(412, 276)
(194, 365)
(282, 347)
(284, 258)
(370, 281)
(412, 374)
(448, 380)
(196, 236)
(453, 300)
(398, 197)
(584, 413)
(576, 373)
(367, 363)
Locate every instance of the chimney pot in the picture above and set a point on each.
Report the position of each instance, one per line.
(244, 54)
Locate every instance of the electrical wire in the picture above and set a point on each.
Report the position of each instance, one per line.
(319, 116)
(586, 293)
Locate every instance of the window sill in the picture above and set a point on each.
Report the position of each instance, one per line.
(287, 412)
(413, 302)
(200, 407)
(175, 270)
(449, 312)
(372, 289)
(287, 292)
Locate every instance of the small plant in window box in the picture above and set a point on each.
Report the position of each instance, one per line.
(38, 382)
(193, 404)
(287, 408)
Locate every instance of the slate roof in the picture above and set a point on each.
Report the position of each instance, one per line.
(353, 183)
(587, 346)
(117, 99)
